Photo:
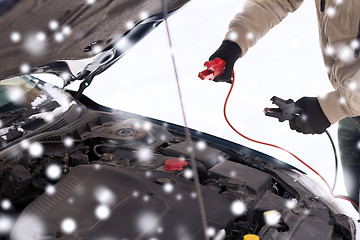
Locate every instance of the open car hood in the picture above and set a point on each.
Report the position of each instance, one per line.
(52, 36)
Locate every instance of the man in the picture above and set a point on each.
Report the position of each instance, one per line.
(339, 31)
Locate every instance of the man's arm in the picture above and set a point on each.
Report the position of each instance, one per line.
(343, 101)
(256, 19)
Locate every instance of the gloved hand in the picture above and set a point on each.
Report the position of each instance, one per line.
(312, 119)
(229, 51)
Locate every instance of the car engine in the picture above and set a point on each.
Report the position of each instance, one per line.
(111, 175)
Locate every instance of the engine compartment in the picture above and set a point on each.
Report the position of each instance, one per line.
(124, 159)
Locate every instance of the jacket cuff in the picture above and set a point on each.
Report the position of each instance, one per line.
(242, 36)
(333, 106)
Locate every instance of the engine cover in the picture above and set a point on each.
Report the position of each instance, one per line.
(104, 202)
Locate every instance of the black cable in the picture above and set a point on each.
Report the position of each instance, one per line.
(336, 159)
(353, 202)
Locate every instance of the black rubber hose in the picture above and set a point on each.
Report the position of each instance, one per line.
(336, 159)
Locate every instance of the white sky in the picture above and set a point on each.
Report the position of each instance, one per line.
(286, 63)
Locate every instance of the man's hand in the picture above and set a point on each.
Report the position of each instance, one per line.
(229, 52)
(312, 119)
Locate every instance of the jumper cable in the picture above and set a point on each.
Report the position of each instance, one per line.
(210, 74)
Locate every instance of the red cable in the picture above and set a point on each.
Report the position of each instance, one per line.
(272, 145)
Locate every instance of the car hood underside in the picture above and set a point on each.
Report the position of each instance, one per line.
(37, 33)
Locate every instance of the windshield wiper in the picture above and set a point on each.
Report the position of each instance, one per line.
(22, 113)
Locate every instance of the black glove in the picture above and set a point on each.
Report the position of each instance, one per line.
(312, 119)
(229, 51)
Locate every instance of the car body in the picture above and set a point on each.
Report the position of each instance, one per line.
(73, 169)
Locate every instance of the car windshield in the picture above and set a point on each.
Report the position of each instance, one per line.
(17, 92)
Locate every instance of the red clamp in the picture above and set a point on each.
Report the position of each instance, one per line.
(214, 68)
(175, 164)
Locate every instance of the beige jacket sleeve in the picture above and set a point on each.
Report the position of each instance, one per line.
(344, 101)
(256, 19)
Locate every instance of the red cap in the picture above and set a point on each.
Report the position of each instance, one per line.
(175, 164)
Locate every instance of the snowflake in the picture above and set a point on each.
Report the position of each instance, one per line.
(210, 231)
(53, 172)
(90, 2)
(144, 154)
(5, 204)
(346, 54)
(59, 37)
(28, 225)
(104, 195)
(129, 24)
(179, 197)
(355, 44)
(135, 194)
(291, 203)
(147, 126)
(329, 50)
(15, 95)
(41, 36)
(193, 195)
(201, 145)
(221, 158)
(137, 125)
(147, 222)
(238, 207)
(36, 149)
(53, 25)
(66, 30)
(25, 144)
(146, 198)
(330, 11)
(68, 141)
(15, 37)
(304, 117)
(188, 173)
(148, 174)
(233, 36)
(162, 137)
(102, 212)
(168, 187)
(35, 43)
(68, 225)
(160, 230)
(144, 15)
(352, 86)
(24, 68)
(6, 224)
(342, 100)
(250, 36)
(50, 189)
(189, 149)
(96, 49)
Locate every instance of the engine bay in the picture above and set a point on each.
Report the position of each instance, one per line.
(119, 177)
